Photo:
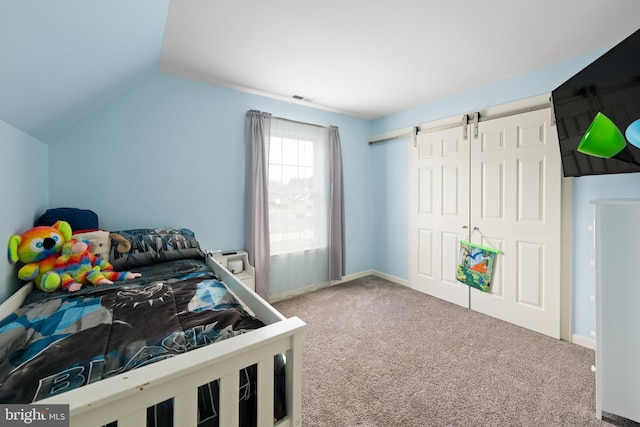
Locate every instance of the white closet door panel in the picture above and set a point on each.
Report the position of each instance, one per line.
(426, 254)
(515, 204)
(438, 211)
(451, 191)
(450, 248)
(530, 190)
(425, 190)
(500, 270)
(492, 196)
(530, 259)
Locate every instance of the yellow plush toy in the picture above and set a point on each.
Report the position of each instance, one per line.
(38, 248)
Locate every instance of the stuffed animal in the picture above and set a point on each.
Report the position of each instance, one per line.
(38, 248)
(78, 266)
(100, 242)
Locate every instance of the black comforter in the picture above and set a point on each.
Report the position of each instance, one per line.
(56, 343)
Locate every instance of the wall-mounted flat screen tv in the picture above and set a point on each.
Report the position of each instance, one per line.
(610, 85)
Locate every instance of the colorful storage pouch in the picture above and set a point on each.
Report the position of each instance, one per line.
(475, 265)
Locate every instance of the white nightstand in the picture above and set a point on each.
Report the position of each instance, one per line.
(237, 262)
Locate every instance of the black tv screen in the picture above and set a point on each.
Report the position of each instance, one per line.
(610, 85)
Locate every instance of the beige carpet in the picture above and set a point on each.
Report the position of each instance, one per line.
(380, 354)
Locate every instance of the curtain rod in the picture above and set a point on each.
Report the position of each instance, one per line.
(301, 123)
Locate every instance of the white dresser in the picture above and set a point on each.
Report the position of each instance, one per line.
(617, 240)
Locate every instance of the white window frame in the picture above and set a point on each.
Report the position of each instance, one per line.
(319, 139)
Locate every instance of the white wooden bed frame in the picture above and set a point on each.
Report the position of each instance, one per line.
(125, 398)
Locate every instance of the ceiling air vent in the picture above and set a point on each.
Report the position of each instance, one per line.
(302, 98)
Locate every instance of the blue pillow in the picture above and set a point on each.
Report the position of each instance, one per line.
(79, 219)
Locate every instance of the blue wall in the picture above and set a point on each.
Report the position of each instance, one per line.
(171, 153)
(25, 191)
(63, 59)
(389, 179)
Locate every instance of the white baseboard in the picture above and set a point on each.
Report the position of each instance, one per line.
(584, 342)
(301, 291)
(391, 278)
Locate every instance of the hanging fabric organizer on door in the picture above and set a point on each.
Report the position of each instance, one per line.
(476, 264)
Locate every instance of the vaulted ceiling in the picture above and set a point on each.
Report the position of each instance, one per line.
(63, 59)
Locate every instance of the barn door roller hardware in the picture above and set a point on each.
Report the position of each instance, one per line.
(465, 125)
(476, 119)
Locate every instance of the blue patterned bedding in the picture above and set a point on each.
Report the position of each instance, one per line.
(62, 342)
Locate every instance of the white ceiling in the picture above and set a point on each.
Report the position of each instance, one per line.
(371, 58)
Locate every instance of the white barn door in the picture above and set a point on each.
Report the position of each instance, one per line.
(439, 213)
(515, 205)
(504, 183)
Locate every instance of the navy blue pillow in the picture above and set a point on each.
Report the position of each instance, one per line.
(79, 219)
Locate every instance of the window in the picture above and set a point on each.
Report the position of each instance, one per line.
(298, 194)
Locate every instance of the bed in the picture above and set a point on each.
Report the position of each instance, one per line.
(186, 344)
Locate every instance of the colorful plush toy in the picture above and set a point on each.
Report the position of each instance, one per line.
(38, 248)
(78, 266)
(100, 242)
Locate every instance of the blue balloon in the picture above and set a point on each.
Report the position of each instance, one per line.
(633, 133)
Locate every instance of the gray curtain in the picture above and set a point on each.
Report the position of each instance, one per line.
(337, 251)
(257, 133)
